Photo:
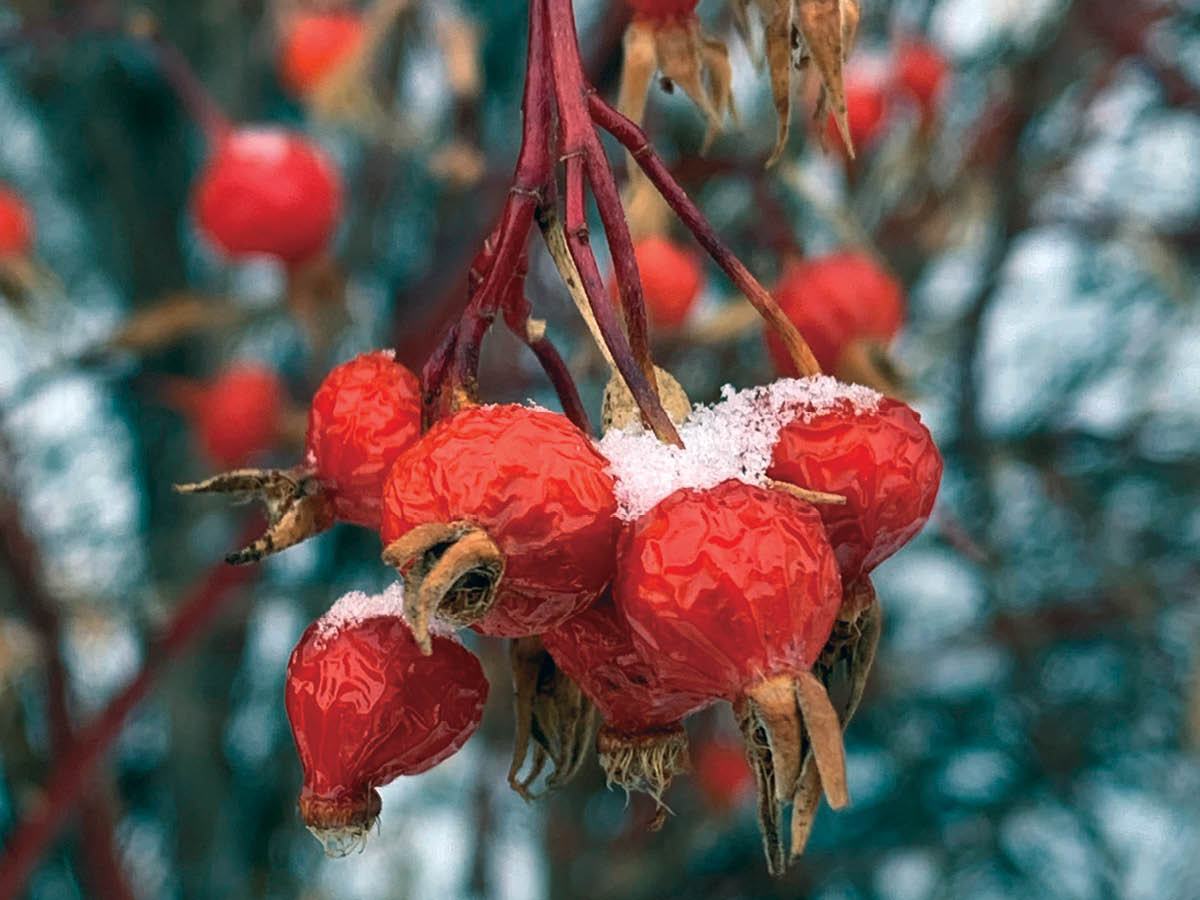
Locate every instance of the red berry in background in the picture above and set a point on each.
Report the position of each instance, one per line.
(315, 44)
(236, 416)
(16, 224)
(642, 745)
(663, 9)
(365, 706)
(365, 414)
(722, 774)
(834, 301)
(268, 191)
(884, 462)
(921, 71)
(501, 489)
(732, 593)
(671, 280)
(867, 110)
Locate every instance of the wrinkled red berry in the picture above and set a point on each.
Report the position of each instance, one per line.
(834, 300)
(884, 463)
(365, 706)
(536, 486)
(725, 587)
(921, 70)
(268, 191)
(16, 224)
(671, 280)
(365, 414)
(315, 44)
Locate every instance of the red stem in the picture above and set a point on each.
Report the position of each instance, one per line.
(73, 769)
(634, 140)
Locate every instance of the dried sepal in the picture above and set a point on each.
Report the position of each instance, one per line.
(778, 44)
(450, 570)
(620, 411)
(645, 762)
(555, 721)
(297, 506)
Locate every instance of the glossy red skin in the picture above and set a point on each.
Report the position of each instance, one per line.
(725, 587)
(536, 485)
(721, 770)
(867, 110)
(365, 414)
(833, 300)
(596, 649)
(921, 70)
(884, 463)
(268, 191)
(315, 45)
(237, 415)
(365, 706)
(664, 9)
(671, 280)
(16, 224)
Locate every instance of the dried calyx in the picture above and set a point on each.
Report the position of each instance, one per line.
(342, 826)
(450, 570)
(555, 721)
(297, 506)
(644, 761)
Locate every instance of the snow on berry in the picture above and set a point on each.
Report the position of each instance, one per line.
(268, 191)
(366, 705)
(732, 439)
(502, 518)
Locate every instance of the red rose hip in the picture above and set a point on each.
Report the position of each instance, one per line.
(366, 705)
(315, 45)
(502, 518)
(16, 224)
(671, 280)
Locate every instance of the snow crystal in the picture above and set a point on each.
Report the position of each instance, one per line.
(356, 607)
(732, 439)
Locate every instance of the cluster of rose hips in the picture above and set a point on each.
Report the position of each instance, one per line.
(644, 604)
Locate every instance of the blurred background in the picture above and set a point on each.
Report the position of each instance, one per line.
(1032, 724)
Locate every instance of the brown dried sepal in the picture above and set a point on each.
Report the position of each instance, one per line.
(620, 411)
(343, 824)
(849, 654)
(554, 719)
(685, 56)
(785, 720)
(799, 32)
(451, 570)
(297, 506)
(867, 361)
(645, 762)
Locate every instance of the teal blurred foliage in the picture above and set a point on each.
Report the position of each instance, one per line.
(1031, 728)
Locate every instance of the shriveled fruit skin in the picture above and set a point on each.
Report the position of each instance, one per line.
(16, 224)
(237, 415)
(596, 649)
(663, 9)
(365, 706)
(833, 300)
(884, 463)
(539, 489)
(315, 45)
(268, 191)
(365, 414)
(725, 587)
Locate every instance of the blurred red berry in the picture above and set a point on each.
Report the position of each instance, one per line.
(365, 414)
(921, 70)
(268, 191)
(365, 706)
(723, 774)
(315, 44)
(16, 224)
(867, 110)
(663, 9)
(834, 300)
(236, 416)
(671, 280)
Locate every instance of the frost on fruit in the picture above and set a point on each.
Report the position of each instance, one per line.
(356, 607)
(732, 439)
